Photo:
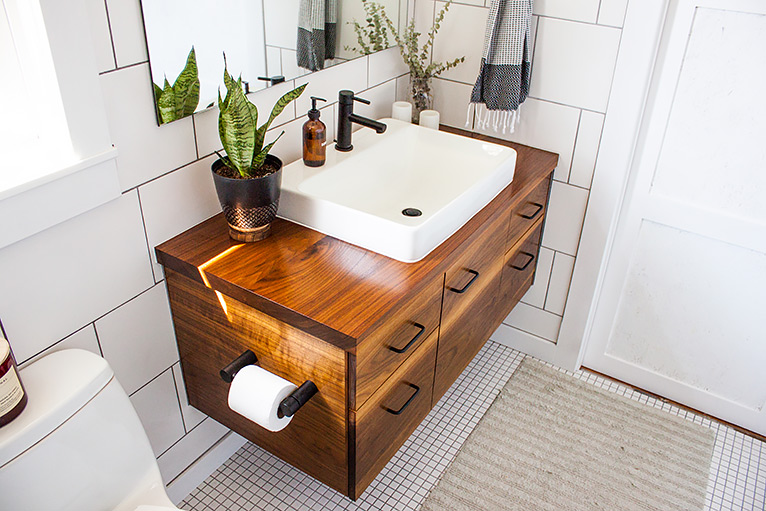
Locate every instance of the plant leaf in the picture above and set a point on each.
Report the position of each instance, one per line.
(186, 87)
(157, 94)
(280, 105)
(236, 126)
(261, 156)
(166, 104)
(283, 102)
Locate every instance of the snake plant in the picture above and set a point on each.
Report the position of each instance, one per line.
(180, 99)
(237, 126)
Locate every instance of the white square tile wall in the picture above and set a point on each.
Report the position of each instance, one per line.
(157, 406)
(451, 42)
(65, 277)
(126, 25)
(574, 63)
(138, 340)
(191, 416)
(146, 150)
(564, 218)
(177, 201)
(574, 10)
(83, 339)
(612, 12)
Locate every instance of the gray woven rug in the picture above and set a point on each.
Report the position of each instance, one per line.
(552, 442)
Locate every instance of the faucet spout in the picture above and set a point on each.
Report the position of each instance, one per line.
(378, 126)
(346, 117)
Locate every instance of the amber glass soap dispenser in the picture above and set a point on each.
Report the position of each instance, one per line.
(314, 137)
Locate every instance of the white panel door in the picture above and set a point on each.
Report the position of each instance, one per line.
(682, 304)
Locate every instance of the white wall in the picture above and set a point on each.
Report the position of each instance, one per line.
(92, 282)
(575, 50)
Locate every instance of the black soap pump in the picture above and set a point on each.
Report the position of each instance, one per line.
(314, 137)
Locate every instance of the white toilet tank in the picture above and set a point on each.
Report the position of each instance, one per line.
(79, 444)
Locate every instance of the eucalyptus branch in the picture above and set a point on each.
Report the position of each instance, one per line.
(416, 57)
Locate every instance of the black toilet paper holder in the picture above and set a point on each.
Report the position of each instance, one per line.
(289, 405)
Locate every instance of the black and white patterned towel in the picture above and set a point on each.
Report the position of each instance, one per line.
(317, 29)
(503, 81)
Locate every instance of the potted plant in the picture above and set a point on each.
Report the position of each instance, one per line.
(247, 179)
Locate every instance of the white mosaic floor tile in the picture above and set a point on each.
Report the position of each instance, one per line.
(253, 479)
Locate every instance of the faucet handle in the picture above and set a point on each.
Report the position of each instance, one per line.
(347, 97)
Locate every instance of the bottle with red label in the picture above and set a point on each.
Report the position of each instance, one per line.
(13, 398)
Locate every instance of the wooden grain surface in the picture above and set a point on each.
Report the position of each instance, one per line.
(213, 330)
(518, 268)
(375, 359)
(533, 206)
(323, 286)
(465, 324)
(379, 433)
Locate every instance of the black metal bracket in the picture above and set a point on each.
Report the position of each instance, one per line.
(230, 371)
(289, 405)
(296, 399)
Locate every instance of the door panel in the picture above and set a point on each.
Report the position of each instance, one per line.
(680, 308)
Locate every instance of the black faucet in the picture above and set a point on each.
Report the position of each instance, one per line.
(346, 116)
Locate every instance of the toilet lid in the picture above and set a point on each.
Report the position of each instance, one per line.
(57, 385)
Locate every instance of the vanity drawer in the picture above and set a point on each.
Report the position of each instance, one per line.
(474, 272)
(471, 296)
(519, 266)
(527, 212)
(390, 344)
(390, 416)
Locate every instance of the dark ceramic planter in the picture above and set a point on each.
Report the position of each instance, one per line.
(249, 205)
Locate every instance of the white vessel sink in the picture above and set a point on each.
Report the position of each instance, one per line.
(359, 196)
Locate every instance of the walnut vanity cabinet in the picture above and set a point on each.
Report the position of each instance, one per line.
(381, 339)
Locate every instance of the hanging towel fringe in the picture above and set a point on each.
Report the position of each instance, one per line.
(484, 118)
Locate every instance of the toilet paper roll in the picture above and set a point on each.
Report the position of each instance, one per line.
(256, 393)
(402, 110)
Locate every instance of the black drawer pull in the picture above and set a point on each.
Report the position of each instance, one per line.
(412, 341)
(522, 268)
(405, 405)
(537, 211)
(465, 288)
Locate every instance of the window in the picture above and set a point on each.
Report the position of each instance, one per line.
(55, 148)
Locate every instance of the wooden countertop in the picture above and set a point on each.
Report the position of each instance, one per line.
(319, 284)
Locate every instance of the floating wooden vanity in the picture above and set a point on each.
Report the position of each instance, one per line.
(381, 339)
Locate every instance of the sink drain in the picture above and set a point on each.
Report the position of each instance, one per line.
(411, 212)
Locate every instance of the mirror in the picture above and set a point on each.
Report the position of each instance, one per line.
(262, 39)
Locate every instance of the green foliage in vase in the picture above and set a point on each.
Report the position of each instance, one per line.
(180, 99)
(373, 36)
(242, 140)
(417, 58)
